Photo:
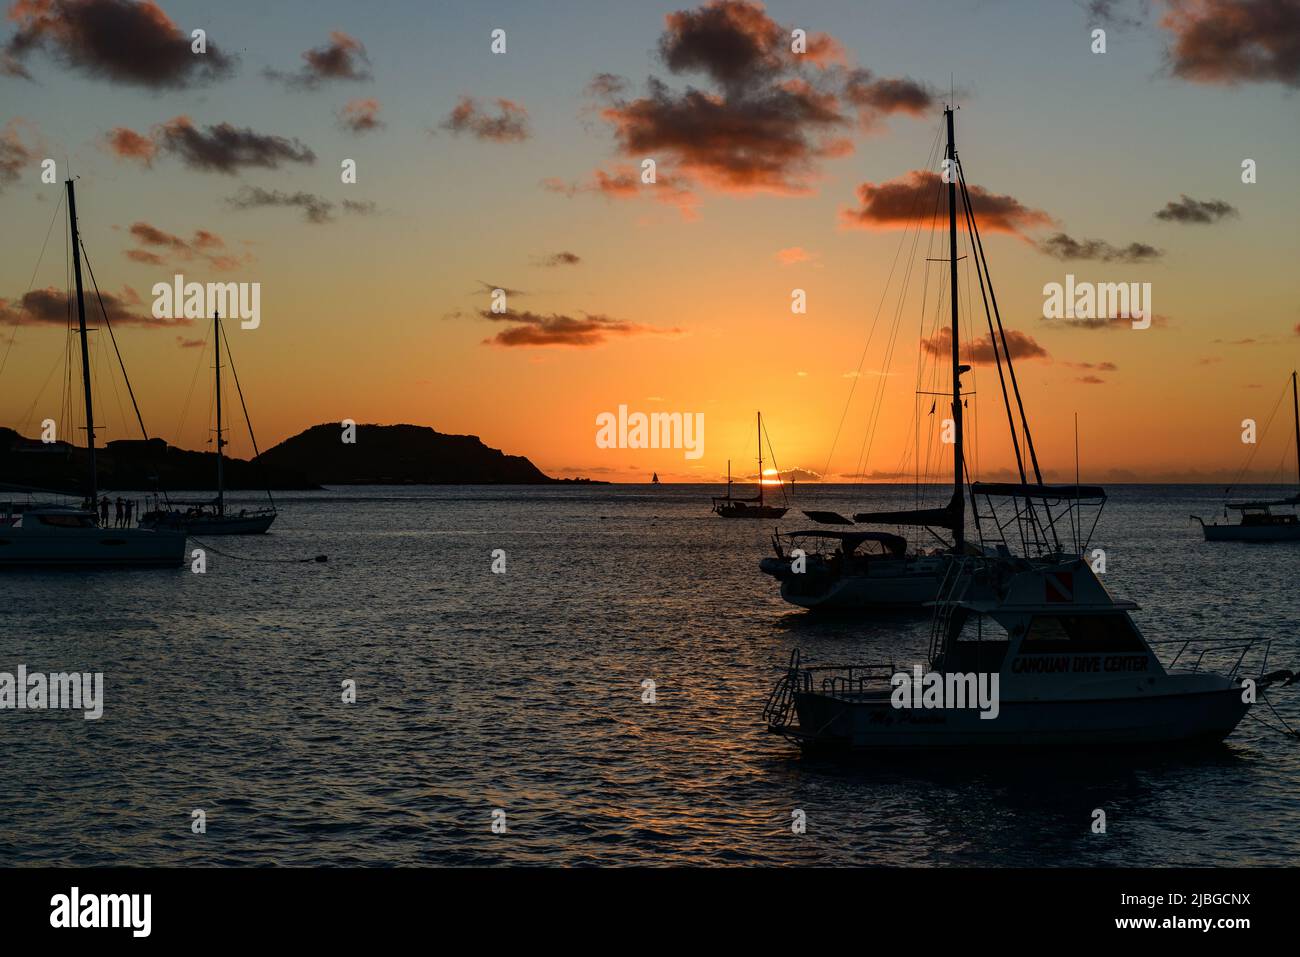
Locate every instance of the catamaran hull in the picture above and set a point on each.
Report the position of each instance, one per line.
(91, 547)
(831, 723)
(1247, 533)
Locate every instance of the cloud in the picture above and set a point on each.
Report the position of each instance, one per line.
(493, 287)
(360, 115)
(1227, 42)
(128, 144)
(534, 329)
(315, 209)
(14, 153)
(1111, 322)
(980, 351)
(767, 118)
(509, 125)
(221, 148)
(1188, 210)
(203, 245)
(1063, 247)
(897, 203)
(793, 254)
(1107, 13)
(342, 58)
(624, 182)
(51, 306)
(123, 41)
(189, 343)
(1091, 380)
(560, 259)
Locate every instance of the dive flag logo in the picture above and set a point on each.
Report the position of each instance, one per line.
(1058, 587)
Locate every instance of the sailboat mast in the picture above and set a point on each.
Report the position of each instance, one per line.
(959, 478)
(1295, 407)
(93, 485)
(221, 492)
(760, 460)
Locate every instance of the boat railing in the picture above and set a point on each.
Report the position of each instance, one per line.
(1225, 649)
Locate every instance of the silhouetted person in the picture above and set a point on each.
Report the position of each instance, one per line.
(120, 507)
(103, 511)
(130, 507)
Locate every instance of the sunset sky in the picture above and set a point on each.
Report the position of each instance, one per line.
(776, 171)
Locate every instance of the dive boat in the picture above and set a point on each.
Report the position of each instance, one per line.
(1259, 523)
(851, 570)
(1022, 654)
(729, 507)
(38, 535)
(211, 517)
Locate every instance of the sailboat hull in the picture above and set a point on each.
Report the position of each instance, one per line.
(90, 547)
(1252, 533)
(210, 525)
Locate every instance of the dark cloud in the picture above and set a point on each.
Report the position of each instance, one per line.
(1117, 13)
(51, 306)
(360, 115)
(1112, 322)
(560, 259)
(1188, 210)
(342, 58)
(221, 148)
(493, 287)
(1228, 42)
(14, 153)
(534, 329)
(315, 209)
(189, 343)
(1063, 247)
(123, 41)
(897, 203)
(980, 351)
(772, 116)
(624, 182)
(509, 125)
(203, 245)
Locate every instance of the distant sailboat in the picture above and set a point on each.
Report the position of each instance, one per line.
(729, 507)
(1258, 522)
(35, 535)
(211, 518)
(654, 479)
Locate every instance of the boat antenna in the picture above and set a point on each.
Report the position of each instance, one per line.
(1295, 407)
(957, 505)
(1078, 531)
(93, 483)
(760, 459)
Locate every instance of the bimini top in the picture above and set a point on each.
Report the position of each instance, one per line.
(851, 540)
(1052, 492)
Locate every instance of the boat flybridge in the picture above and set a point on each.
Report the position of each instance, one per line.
(1022, 654)
(850, 569)
(729, 507)
(38, 535)
(212, 517)
(1259, 523)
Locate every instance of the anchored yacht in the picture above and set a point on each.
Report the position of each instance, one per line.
(1069, 665)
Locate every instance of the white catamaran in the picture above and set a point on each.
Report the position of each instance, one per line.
(36, 535)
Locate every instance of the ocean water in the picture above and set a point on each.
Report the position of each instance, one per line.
(522, 692)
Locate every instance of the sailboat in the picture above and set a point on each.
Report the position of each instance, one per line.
(654, 479)
(869, 570)
(36, 535)
(211, 517)
(729, 507)
(1259, 523)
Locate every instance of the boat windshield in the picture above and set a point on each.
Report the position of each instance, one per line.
(1055, 634)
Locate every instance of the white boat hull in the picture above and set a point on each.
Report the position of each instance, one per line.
(1204, 716)
(127, 547)
(889, 585)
